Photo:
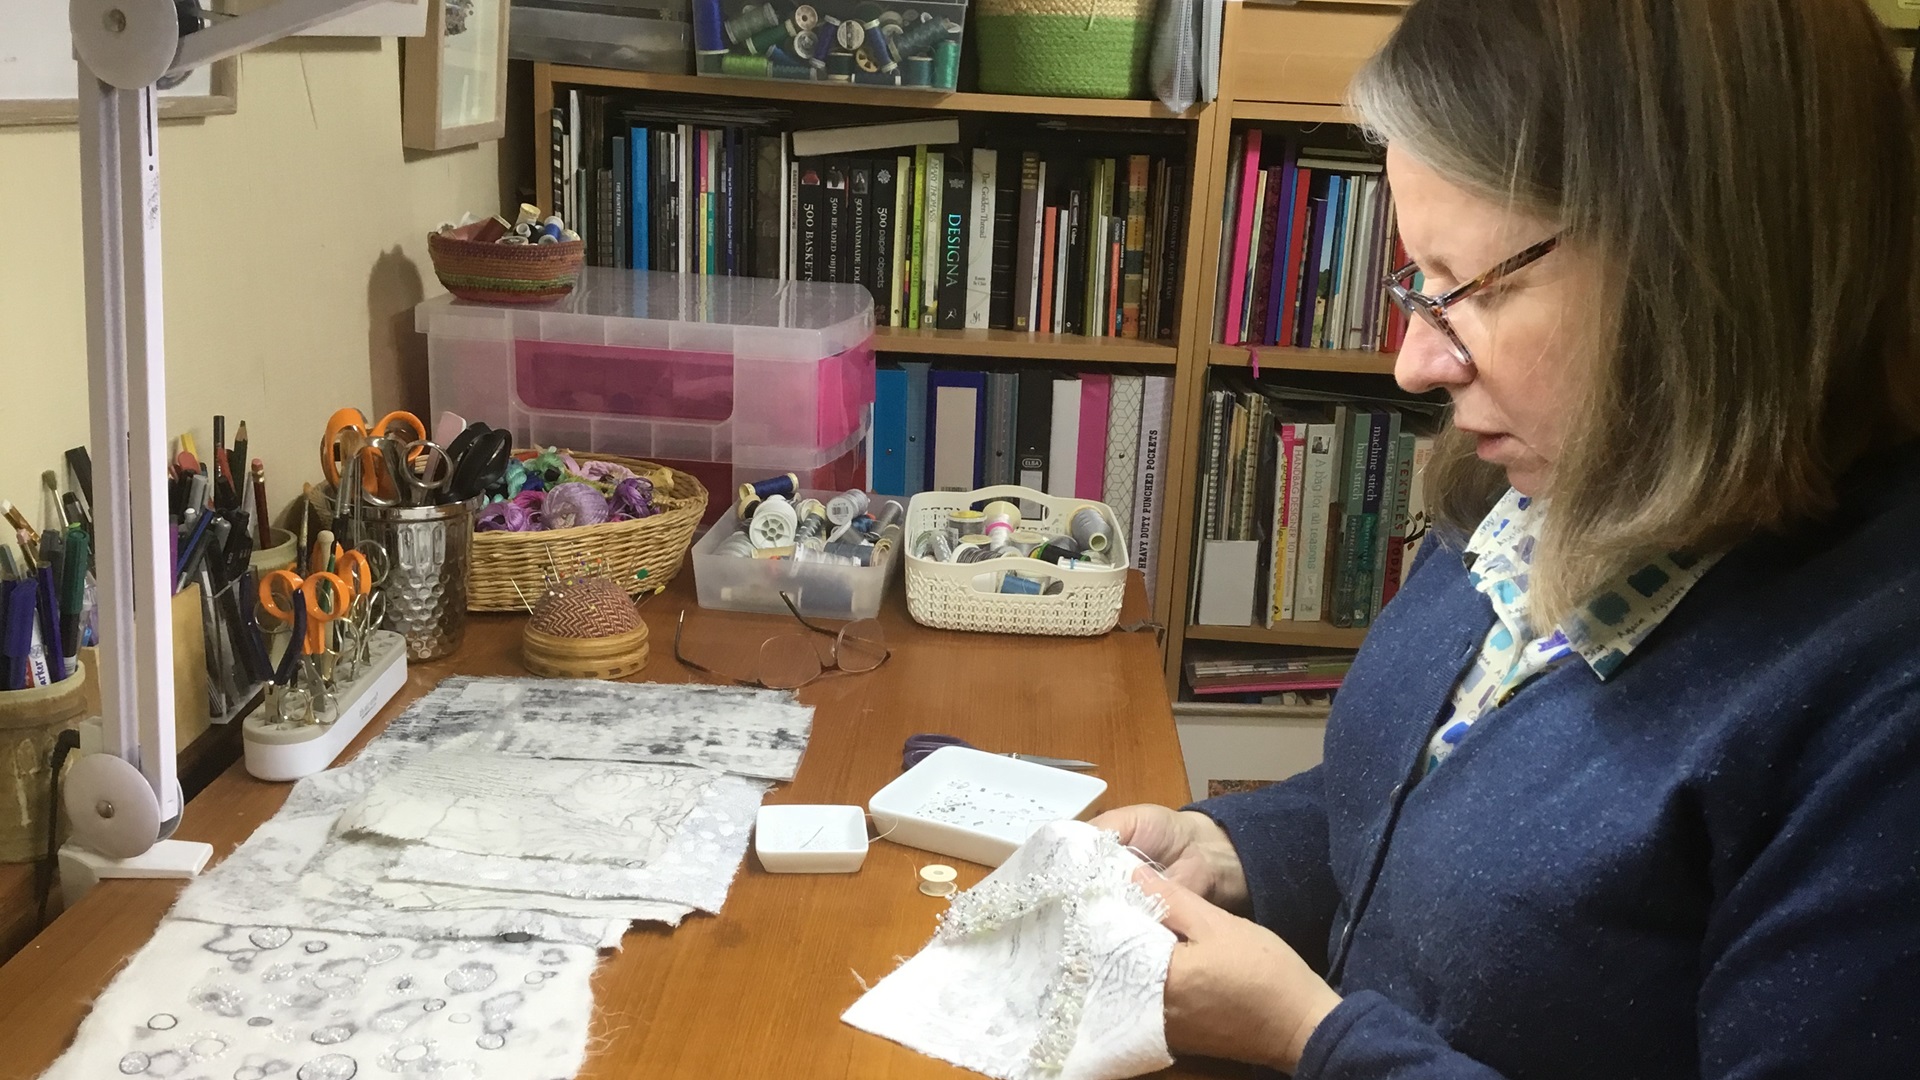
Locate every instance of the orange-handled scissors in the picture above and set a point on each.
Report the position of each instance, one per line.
(399, 424)
(277, 592)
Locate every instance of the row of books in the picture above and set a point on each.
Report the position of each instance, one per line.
(1262, 675)
(1070, 241)
(1311, 505)
(1309, 236)
(1089, 436)
(984, 238)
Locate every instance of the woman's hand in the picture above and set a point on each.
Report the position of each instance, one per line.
(1234, 989)
(1189, 846)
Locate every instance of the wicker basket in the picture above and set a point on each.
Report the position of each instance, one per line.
(509, 568)
(1064, 48)
(965, 596)
(506, 273)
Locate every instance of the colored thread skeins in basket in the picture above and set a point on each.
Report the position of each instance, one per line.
(554, 491)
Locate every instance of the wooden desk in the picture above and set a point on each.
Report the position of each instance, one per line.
(758, 990)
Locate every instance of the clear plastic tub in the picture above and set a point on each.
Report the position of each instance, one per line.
(731, 379)
(861, 42)
(737, 583)
(654, 36)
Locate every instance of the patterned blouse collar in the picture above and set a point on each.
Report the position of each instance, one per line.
(1606, 629)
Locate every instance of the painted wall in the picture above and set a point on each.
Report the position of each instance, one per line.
(294, 237)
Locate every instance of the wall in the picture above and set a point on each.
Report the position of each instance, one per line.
(294, 238)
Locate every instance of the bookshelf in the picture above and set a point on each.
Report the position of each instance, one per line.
(1279, 65)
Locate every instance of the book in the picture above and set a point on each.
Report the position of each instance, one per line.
(952, 313)
(931, 222)
(1353, 497)
(859, 220)
(1033, 428)
(1296, 253)
(1168, 266)
(981, 239)
(617, 153)
(1006, 199)
(1134, 259)
(1283, 238)
(1317, 255)
(557, 162)
(868, 137)
(1060, 257)
(640, 169)
(958, 403)
(811, 239)
(880, 232)
(1063, 443)
(1074, 284)
(1090, 470)
(1229, 215)
(916, 231)
(1321, 457)
(837, 233)
(901, 259)
(1156, 421)
(1025, 249)
(1242, 237)
(1123, 448)
(1032, 270)
(1396, 543)
(1381, 498)
(1419, 514)
(1049, 252)
(889, 471)
(1287, 527)
(999, 452)
(919, 373)
(1249, 275)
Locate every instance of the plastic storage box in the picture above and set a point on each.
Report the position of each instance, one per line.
(864, 42)
(731, 379)
(820, 591)
(636, 35)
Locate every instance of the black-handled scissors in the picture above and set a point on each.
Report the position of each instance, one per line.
(919, 746)
(480, 455)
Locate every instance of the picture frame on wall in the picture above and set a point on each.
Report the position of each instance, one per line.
(39, 79)
(454, 81)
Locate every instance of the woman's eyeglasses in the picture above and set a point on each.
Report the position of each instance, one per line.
(1434, 308)
(790, 661)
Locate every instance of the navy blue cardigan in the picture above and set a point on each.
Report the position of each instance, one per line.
(1706, 867)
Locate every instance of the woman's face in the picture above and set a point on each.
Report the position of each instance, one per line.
(1521, 331)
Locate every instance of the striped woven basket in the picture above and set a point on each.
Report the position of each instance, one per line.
(506, 273)
(510, 568)
(1064, 48)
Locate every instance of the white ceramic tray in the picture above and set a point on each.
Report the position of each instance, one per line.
(977, 806)
(798, 839)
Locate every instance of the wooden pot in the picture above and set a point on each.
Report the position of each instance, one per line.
(613, 657)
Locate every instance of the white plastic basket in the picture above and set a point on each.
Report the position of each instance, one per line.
(967, 596)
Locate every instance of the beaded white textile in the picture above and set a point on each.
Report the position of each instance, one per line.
(1055, 966)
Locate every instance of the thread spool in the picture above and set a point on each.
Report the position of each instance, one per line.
(888, 540)
(1060, 547)
(1025, 541)
(1016, 585)
(840, 67)
(917, 39)
(1083, 564)
(933, 544)
(969, 522)
(890, 514)
(859, 553)
(916, 71)
(972, 549)
(864, 525)
(785, 485)
(849, 504)
(774, 523)
(752, 67)
(850, 35)
(511, 240)
(878, 49)
(737, 546)
(709, 27)
(939, 889)
(768, 39)
(750, 21)
(783, 552)
(812, 528)
(805, 17)
(823, 39)
(946, 65)
(1089, 529)
(743, 510)
(938, 874)
(823, 557)
(791, 71)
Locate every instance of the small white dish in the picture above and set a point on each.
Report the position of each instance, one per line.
(803, 839)
(977, 806)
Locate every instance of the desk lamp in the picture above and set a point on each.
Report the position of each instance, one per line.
(125, 801)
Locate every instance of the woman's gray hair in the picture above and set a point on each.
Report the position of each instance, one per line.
(1746, 175)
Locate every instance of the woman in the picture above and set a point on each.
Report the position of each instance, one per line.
(1626, 782)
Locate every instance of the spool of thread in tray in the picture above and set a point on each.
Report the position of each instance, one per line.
(812, 528)
(844, 507)
(968, 522)
(933, 544)
(1089, 529)
(1000, 519)
(783, 485)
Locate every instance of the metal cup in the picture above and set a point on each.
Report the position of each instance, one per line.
(431, 551)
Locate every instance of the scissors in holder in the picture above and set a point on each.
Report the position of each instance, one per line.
(365, 568)
(919, 746)
(398, 424)
(307, 604)
(480, 455)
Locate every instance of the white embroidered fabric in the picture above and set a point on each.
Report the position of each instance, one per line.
(696, 869)
(1055, 966)
(489, 804)
(253, 1002)
(741, 730)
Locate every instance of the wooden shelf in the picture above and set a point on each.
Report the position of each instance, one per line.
(1292, 110)
(846, 94)
(1013, 344)
(1309, 635)
(1353, 361)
